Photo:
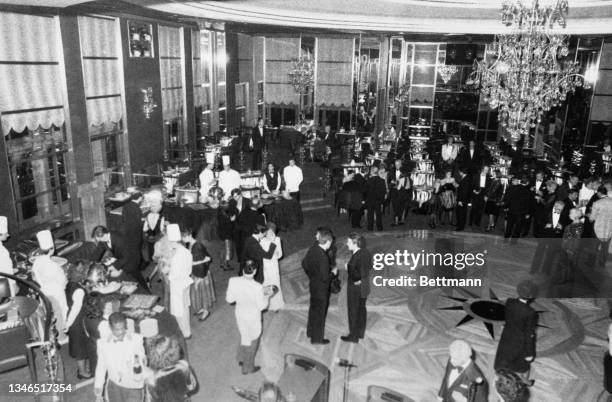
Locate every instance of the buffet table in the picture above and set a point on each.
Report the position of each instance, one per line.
(286, 214)
(195, 217)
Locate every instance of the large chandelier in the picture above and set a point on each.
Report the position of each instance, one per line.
(525, 73)
(301, 75)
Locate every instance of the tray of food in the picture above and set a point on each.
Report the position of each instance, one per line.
(140, 302)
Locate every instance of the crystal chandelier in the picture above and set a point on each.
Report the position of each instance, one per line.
(302, 75)
(525, 73)
(446, 72)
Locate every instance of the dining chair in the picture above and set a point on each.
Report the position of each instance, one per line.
(306, 363)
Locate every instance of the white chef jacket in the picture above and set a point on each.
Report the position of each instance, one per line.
(6, 266)
(293, 178)
(207, 180)
(52, 280)
(449, 152)
(179, 277)
(229, 180)
(250, 302)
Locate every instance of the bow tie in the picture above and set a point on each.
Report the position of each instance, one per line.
(458, 368)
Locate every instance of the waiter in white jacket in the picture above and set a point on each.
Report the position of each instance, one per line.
(229, 179)
(51, 278)
(251, 299)
(293, 178)
(179, 278)
(207, 177)
(6, 264)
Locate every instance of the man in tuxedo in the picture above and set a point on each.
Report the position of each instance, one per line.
(480, 187)
(247, 220)
(470, 158)
(549, 243)
(253, 251)
(316, 264)
(112, 245)
(254, 143)
(398, 182)
(237, 205)
(131, 217)
(517, 345)
(358, 286)
(375, 193)
(328, 137)
(463, 380)
(353, 194)
(463, 198)
(519, 209)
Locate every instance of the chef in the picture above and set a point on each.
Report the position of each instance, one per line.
(51, 278)
(229, 179)
(179, 277)
(6, 264)
(207, 177)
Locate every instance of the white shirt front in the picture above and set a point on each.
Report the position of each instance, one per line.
(6, 266)
(538, 184)
(207, 180)
(555, 219)
(293, 178)
(455, 373)
(398, 173)
(471, 153)
(449, 152)
(585, 194)
(483, 180)
(116, 358)
(151, 220)
(229, 180)
(250, 302)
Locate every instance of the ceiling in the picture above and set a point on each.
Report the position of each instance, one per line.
(409, 16)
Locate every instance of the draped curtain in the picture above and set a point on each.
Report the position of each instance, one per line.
(31, 87)
(280, 53)
(102, 71)
(170, 56)
(334, 84)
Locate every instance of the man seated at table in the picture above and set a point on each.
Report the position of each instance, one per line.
(111, 251)
(119, 356)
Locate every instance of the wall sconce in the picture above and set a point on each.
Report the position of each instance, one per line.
(148, 104)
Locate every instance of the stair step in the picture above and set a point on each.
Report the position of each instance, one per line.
(311, 200)
(314, 208)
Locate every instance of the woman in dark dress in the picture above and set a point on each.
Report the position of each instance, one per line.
(76, 294)
(168, 378)
(202, 292)
(448, 196)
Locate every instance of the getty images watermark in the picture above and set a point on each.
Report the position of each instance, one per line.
(406, 260)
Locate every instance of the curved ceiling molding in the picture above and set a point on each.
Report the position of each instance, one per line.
(427, 16)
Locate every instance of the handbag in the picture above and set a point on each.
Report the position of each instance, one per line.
(335, 284)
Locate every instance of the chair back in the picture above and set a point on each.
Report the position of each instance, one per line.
(322, 395)
(382, 394)
(13, 350)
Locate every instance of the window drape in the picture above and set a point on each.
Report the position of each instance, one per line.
(280, 53)
(334, 83)
(171, 69)
(102, 70)
(32, 86)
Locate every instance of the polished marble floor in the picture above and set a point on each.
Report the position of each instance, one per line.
(409, 329)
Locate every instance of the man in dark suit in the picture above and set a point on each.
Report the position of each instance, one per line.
(519, 208)
(248, 220)
(316, 264)
(253, 251)
(112, 245)
(353, 194)
(470, 158)
(480, 186)
(236, 206)
(131, 217)
(463, 380)
(375, 193)
(254, 143)
(517, 345)
(328, 137)
(549, 242)
(463, 198)
(358, 287)
(398, 181)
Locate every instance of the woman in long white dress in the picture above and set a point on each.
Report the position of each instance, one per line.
(271, 269)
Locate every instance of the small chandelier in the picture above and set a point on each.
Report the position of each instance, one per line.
(525, 73)
(148, 104)
(446, 72)
(302, 75)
